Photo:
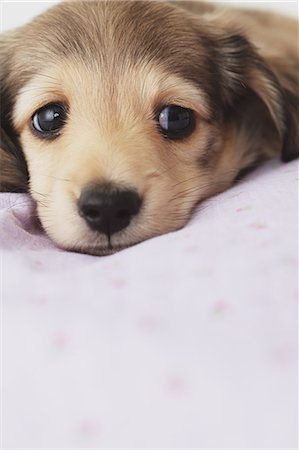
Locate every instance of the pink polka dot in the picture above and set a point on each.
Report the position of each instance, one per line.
(221, 307)
(149, 324)
(265, 244)
(118, 284)
(37, 265)
(176, 386)
(89, 427)
(243, 208)
(191, 249)
(40, 300)
(286, 354)
(258, 226)
(60, 340)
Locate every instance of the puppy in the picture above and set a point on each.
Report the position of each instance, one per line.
(120, 116)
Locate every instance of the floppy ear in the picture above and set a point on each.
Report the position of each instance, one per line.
(290, 149)
(244, 71)
(13, 167)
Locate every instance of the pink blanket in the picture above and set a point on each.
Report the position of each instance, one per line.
(163, 343)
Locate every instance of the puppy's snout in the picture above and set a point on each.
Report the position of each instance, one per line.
(107, 209)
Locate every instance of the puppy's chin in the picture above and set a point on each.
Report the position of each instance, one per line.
(105, 248)
(96, 250)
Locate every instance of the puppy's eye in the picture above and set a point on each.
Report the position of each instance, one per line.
(176, 122)
(49, 120)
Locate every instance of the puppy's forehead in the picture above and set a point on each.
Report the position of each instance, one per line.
(116, 34)
(91, 27)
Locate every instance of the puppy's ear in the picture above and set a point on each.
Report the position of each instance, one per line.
(290, 148)
(13, 168)
(243, 71)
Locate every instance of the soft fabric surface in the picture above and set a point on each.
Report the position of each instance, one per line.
(186, 340)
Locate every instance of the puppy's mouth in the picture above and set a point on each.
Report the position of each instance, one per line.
(102, 245)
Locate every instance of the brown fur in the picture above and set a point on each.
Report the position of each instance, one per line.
(113, 64)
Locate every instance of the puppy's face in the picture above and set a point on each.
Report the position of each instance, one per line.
(120, 114)
(114, 157)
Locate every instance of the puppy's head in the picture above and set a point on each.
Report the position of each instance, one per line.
(123, 112)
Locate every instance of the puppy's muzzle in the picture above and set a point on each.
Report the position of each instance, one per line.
(107, 209)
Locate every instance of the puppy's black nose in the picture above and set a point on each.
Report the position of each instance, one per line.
(107, 209)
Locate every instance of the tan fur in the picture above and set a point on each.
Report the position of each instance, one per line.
(112, 95)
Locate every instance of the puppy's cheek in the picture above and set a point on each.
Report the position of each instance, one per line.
(168, 207)
(60, 219)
